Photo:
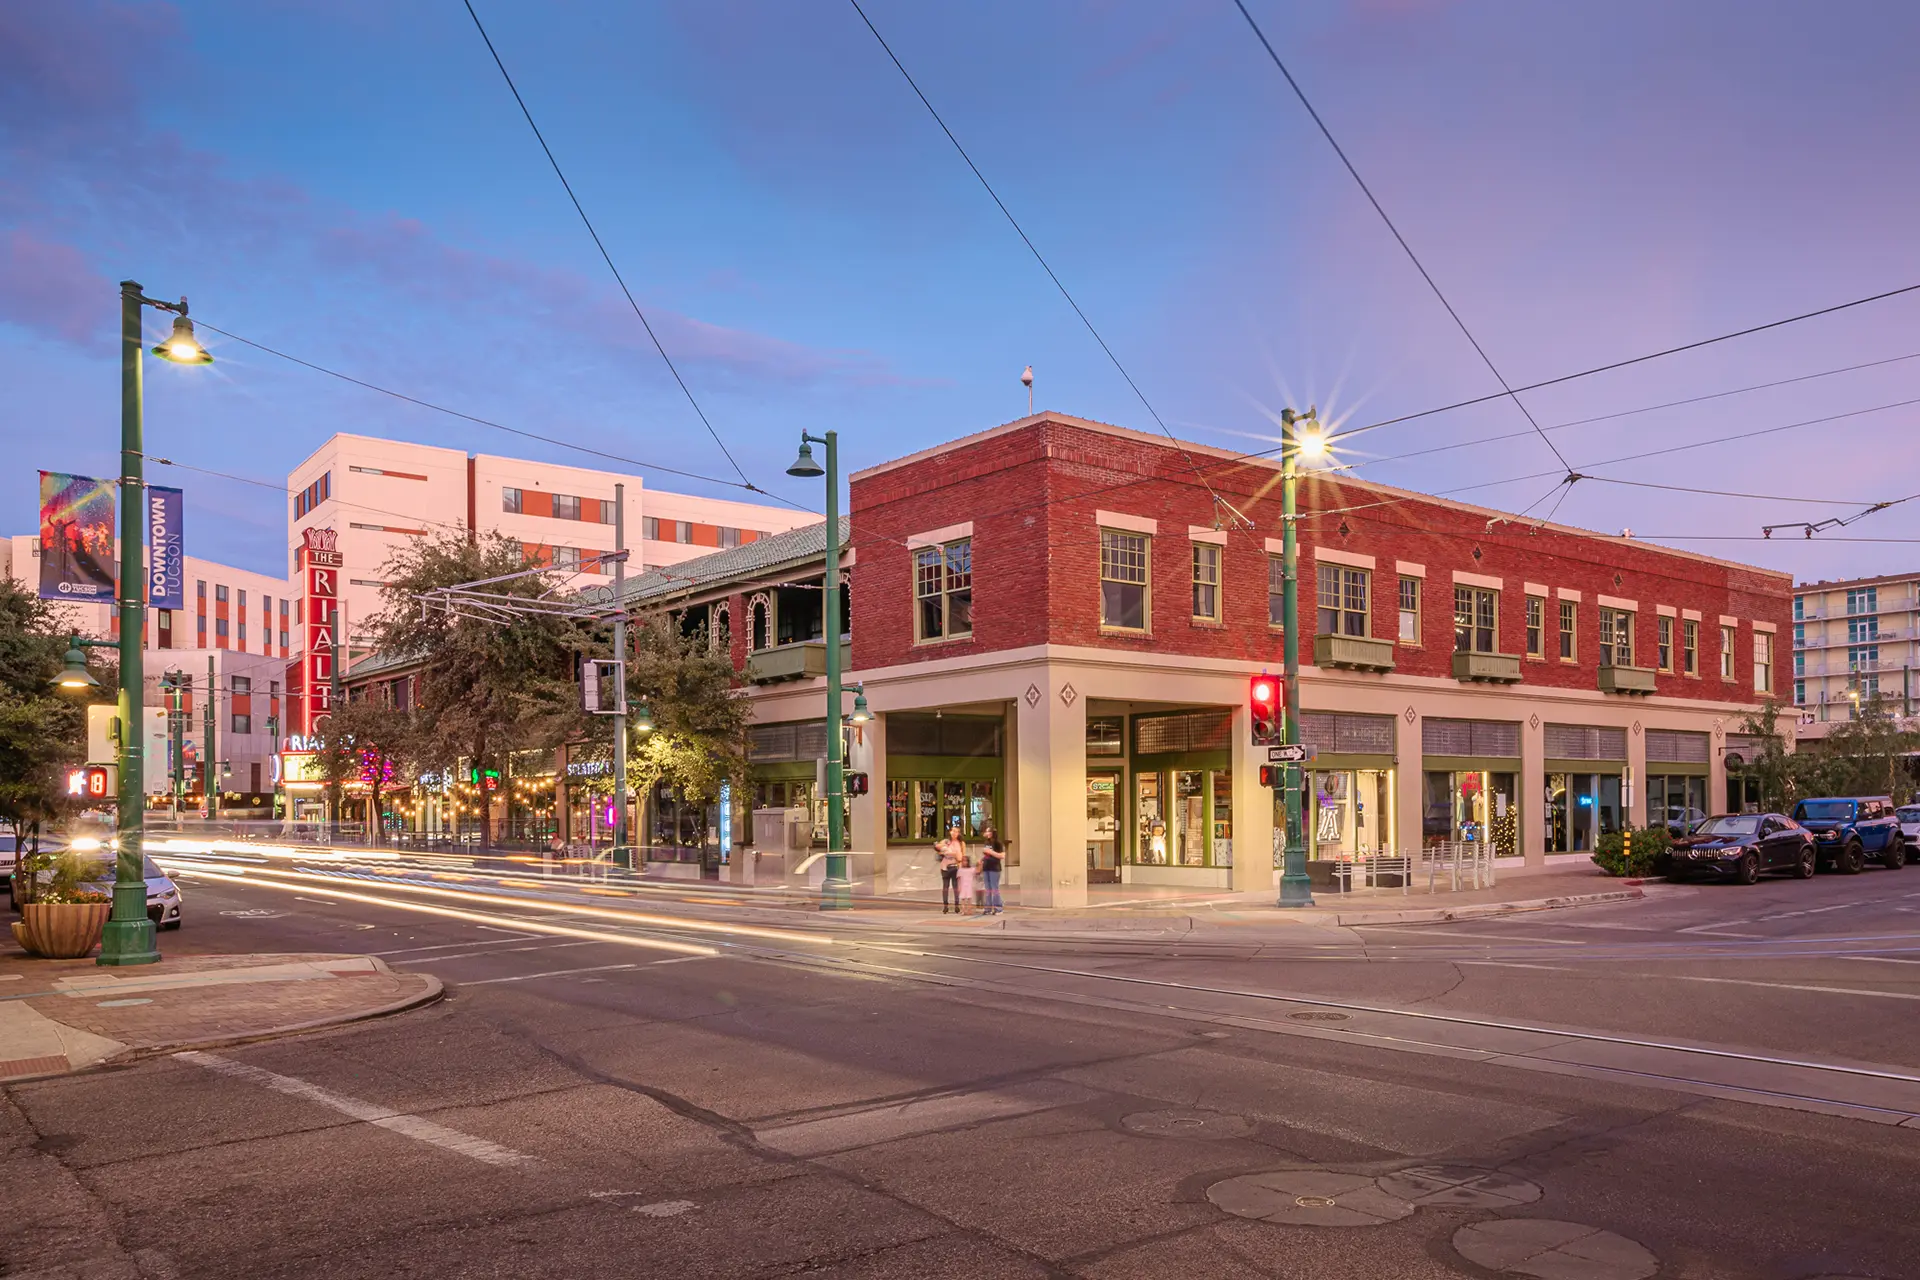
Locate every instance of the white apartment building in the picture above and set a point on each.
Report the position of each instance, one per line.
(227, 608)
(1853, 639)
(381, 495)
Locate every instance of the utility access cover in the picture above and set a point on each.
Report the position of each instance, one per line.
(1308, 1198)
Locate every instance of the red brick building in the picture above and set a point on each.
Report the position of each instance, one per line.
(1055, 621)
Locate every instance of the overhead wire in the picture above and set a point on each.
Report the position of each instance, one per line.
(1037, 255)
(607, 257)
(1412, 257)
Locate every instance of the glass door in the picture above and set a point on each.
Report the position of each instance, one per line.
(1150, 842)
(1103, 828)
(1190, 817)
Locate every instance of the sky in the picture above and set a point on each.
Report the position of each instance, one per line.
(351, 183)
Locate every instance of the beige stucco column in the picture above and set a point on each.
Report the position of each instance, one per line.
(1636, 807)
(1533, 791)
(867, 814)
(1409, 787)
(1717, 766)
(1050, 742)
(1252, 809)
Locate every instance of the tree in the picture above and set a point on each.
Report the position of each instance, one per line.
(365, 741)
(487, 685)
(1779, 773)
(1864, 756)
(43, 733)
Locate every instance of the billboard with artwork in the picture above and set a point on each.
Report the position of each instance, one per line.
(76, 537)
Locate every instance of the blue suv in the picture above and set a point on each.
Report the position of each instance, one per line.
(1848, 830)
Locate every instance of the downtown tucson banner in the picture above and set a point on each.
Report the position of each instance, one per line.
(76, 537)
(167, 559)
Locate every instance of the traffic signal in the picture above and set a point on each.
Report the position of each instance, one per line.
(1263, 701)
(95, 782)
(1273, 775)
(857, 784)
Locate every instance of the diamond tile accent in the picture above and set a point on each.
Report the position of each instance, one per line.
(1033, 695)
(1068, 694)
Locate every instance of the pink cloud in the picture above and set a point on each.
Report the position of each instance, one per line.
(48, 288)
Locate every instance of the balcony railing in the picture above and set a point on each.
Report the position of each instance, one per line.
(1627, 679)
(1358, 653)
(1490, 668)
(802, 660)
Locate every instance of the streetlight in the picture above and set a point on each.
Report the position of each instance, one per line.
(129, 935)
(836, 891)
(74, 674)
(860, 713)
(1295, 889)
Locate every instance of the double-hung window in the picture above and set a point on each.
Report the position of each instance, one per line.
(1123, 580)
(1690, 647)
(510, 501)
(1342, 604)
(1476, 619)
(1616, 638)
(567, 558)
(1206, 582)
(1409, 611)
(1763, 662)
(1726, 653)
(566, 506)
(1276, 592)
(1536, 627)
(650, 528)
(1666, 643)
(1569, 631)
(943, 591)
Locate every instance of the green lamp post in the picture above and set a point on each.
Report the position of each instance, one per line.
(1295, 888)
(129, 935)
(836, 891)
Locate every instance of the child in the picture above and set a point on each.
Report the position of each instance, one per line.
(966, 883)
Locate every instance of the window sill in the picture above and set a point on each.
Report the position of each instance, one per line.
(1535, 657)
(1208, 624)
(936, 640)
(1138, 633)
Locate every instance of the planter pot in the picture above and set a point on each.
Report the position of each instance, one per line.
(61, 930)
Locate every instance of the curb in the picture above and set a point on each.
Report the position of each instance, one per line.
(435, 990)
(1481, 910)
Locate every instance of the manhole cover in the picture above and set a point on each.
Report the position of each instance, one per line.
(1459, 1186)
(1308, 1198)
(1318, 1015)
(1554, 1250)
(1206, 1125)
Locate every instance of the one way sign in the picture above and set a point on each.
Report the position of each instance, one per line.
(1293, 753)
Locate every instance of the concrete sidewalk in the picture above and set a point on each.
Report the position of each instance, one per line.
(58, 1016)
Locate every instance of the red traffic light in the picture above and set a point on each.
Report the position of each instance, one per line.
(1264, 695)
(1270, 776)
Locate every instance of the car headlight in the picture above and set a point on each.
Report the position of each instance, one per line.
(1737, 851)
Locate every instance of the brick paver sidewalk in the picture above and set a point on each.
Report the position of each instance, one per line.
(66, 1015)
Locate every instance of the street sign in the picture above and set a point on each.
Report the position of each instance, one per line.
(1293, 753)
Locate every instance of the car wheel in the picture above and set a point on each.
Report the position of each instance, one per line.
(1749, 869)
(1808, 863)
(1852, 858)
(171, 924)
(1896, 854)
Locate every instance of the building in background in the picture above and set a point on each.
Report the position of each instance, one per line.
(227, 608)
(1853, 639)
(382, 495)
(249, 718)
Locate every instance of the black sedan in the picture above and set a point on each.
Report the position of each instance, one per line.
(1739, 846)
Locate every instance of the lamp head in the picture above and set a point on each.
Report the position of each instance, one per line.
(804, 466)
(1026, 379)
(860, 713)
(74, 673)
(1313, 443)
(181, 347)
(641, 720)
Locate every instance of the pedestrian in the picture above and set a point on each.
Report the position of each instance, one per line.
(967, 877)
(951, 850)
(993, 858)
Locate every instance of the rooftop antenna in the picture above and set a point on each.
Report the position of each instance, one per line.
(1026, 380)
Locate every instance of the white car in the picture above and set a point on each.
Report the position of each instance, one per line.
(163, 895)
(1909, 818)
(8, 857)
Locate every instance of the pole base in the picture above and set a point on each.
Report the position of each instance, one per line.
(836, 890)
(1296, 890)
(128, 942)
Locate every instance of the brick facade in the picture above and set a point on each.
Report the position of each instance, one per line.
(1031, 492)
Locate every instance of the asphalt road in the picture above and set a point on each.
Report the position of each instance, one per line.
(960, 1105)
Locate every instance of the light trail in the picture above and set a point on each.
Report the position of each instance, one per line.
(472, 917)
(307, 878)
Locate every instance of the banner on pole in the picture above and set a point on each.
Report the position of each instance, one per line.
(76, 537)
(167, 549)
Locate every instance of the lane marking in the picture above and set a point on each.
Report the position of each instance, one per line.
(1882, 959)
(449, 946)
(502, 951)
(1811, 911)
(1509, 964)
(317, 901)
(557, 973)
(410, 1126)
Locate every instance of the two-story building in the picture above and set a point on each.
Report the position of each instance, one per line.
(1055, 622)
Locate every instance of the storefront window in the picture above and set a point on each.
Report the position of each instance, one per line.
(1581, 807)
(926, 809)
(1676, 798)
(1190, 817)
(1151, 844)
(980, 810)
(1103, 828)
(1473, 805)
(899, 810)
(1223, 819)
(1352, 813)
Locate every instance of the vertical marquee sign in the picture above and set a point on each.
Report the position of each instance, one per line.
(321, 563)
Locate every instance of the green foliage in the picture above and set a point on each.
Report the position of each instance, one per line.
(43, 731)
(1863, 756)
(363, 741)
(485, 686)
(65, 879)
(1650, 844)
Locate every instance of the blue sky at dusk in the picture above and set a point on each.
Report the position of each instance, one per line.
(351, 182)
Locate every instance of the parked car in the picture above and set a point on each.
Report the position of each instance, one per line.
(1850, 829)
(1740, 846)
(1908, 816)
(1683, 819)
(163, 895)
(9, 856)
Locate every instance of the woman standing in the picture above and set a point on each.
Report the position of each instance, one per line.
(993, 857)
(952, 851)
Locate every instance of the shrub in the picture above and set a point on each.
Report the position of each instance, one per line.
(1650, 845)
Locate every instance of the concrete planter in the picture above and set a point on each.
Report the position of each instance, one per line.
(61, 930)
